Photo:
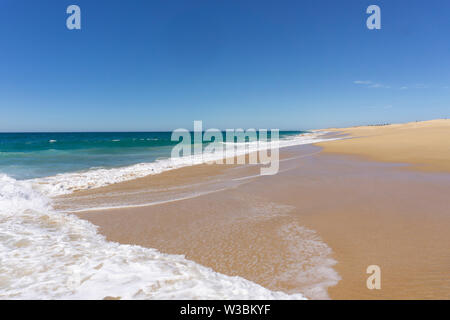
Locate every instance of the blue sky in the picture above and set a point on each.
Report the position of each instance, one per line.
(160, 65)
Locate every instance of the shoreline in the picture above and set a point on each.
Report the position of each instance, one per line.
(69, 182)
(223, 230)
(355, 211)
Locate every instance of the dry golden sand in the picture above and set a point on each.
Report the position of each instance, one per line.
(426, 145)
(261, 228)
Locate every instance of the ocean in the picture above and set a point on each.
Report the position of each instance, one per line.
(47, 254)
(35, 155)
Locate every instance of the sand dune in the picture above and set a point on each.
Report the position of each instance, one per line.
(425, 145)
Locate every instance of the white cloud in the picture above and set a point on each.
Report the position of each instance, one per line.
(370, 84)
(362, 82)
(389, 106)
(378, 85)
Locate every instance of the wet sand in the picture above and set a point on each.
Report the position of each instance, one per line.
(312, 228)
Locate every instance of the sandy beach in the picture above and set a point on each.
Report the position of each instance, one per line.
(425, 145)
(378, 197)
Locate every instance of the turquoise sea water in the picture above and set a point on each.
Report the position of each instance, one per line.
(33, 155)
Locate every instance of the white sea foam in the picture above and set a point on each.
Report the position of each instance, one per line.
(51, 255)
(310, 265)
(68, 182)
